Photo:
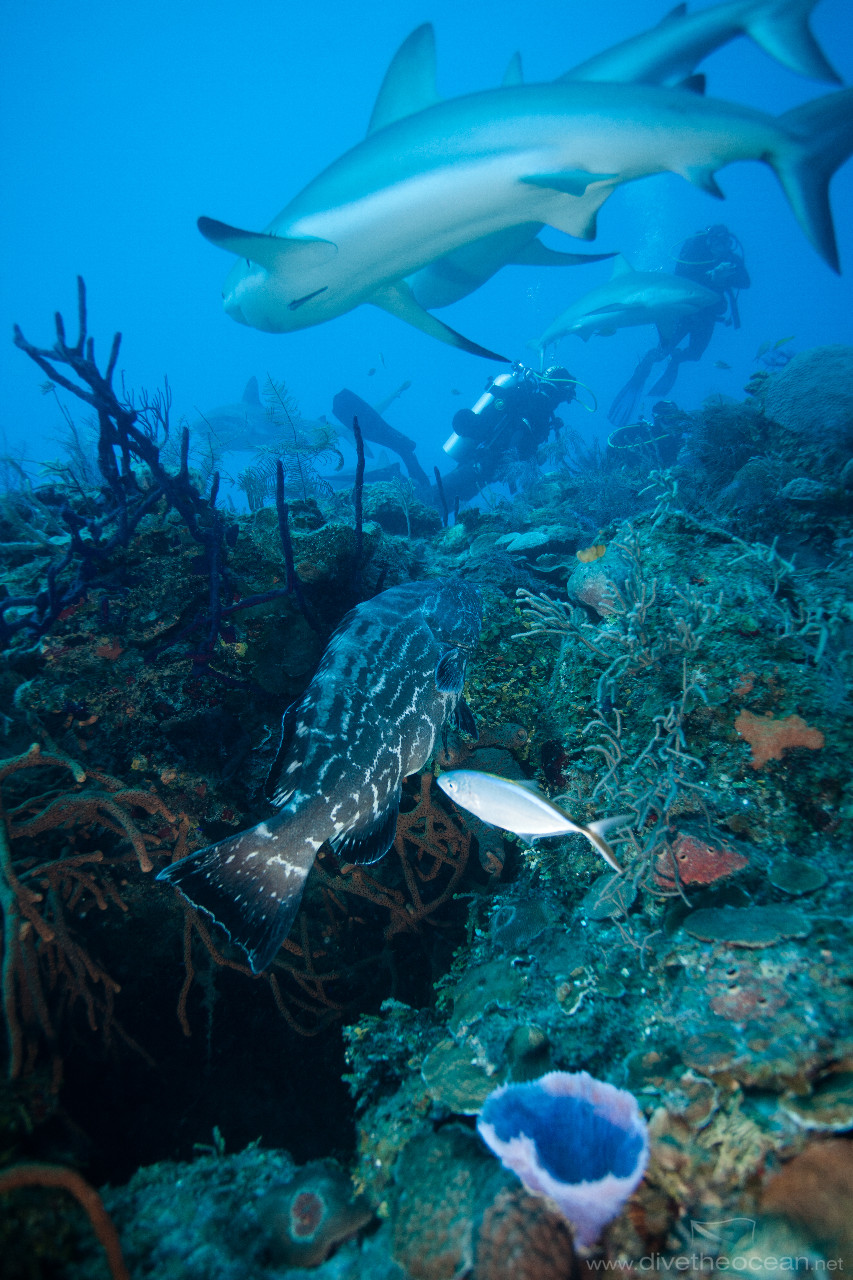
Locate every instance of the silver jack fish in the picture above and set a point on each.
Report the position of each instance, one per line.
(521, 807)
(391, 676)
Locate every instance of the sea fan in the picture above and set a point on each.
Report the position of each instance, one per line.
(303, 447)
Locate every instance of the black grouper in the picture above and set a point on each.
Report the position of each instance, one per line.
(390, 678)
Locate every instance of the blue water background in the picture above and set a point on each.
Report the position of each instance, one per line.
(122, 123)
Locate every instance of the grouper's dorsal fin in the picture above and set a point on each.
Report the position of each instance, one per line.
(450, 671)
(365, 845)
(251, 393)
(409, 84)
(266, 250)
(397, 298)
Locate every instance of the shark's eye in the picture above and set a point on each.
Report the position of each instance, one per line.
(297, 302)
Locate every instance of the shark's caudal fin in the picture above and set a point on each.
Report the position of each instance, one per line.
(250, 884)
(781, 28)
(821, 139)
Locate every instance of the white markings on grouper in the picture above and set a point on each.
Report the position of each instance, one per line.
(370, 716)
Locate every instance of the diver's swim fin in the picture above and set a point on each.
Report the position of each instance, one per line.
(621, 411)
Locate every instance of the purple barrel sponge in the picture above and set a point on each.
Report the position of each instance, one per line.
(578, 1140)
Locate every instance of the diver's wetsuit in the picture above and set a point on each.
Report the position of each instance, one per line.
(714, 259)
(515, 415)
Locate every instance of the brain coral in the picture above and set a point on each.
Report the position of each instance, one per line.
(813, 395)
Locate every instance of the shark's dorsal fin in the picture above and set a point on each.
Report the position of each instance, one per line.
(695, 83)
(409, 84)
(266, 250)
(621, 267)
(514, 74)
(537, 254)
(251, 394)
(674, 14)
(398, 299)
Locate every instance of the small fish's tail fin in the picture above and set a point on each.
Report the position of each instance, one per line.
(251, 885)
(596, 831)
(781, 28)
(820, 137)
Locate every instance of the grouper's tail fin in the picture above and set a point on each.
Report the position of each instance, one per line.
(781, 28)
(819, 140)
(250, 884)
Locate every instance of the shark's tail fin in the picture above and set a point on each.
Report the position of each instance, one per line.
(819, 139)
(781, 28)
(250, 884)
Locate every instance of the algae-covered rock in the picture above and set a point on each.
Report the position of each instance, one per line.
(813, 394)
(747, 926)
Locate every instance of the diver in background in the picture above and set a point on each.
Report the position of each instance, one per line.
(713, 258)
(514, 415)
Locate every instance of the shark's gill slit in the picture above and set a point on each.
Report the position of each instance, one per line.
(297, 302)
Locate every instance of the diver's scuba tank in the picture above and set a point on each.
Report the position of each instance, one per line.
(477, 428)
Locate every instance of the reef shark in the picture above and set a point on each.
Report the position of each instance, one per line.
(667, 52)
(422, 186)
(245, 424)
(630, 298)
(681, 40)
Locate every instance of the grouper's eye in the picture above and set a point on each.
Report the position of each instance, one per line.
(298, 302)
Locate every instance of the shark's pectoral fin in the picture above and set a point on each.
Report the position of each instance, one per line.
(571, 182)
(399, 300)
(409, 83)
(703, 178)
(537, 254)
(611, 309)
(264, 249)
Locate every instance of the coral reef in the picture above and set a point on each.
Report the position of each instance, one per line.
(671, 644)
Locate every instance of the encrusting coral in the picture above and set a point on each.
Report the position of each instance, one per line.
(770, 738)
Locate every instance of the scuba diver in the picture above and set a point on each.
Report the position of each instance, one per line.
(713, 258)
(515, 414)
(655, 444)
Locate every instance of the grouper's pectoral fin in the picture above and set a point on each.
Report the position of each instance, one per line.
(369, 843)
(267, 250)
(450, 671)
(399, 301)
(251, 885)
(463, 718)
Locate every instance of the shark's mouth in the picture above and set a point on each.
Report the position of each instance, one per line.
(298, 302)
